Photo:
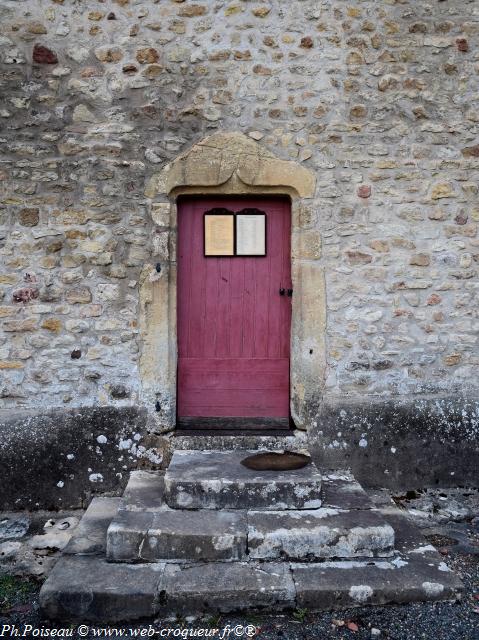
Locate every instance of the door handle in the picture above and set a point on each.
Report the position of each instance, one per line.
(289, 293)
(282, 291)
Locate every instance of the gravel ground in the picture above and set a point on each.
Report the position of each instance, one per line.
(439, 621)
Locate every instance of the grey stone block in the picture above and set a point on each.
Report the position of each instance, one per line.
(322, 533)
(144, 491)
(341, 490)
(195, 535)
(223, 587)
(408, 534)
(89, 538)
(126, 535)
(341, 584)
(208, 441)
(217, 480)
(89, 589)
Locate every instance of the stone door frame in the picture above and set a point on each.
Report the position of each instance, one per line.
(230, 164)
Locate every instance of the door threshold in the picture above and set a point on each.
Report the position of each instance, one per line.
(234, 424)
(182, 431)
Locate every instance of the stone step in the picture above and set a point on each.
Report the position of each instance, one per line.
(171, 534)
(295, 441)
(89, 538)
(320, 533)
(218, 480)
(209, 535)
(344, 584)
(86, 589)
(147, 530)
(145, 491)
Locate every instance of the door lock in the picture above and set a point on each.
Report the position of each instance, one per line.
(289, 293)
(282, 291)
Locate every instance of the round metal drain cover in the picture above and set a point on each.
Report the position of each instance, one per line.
(274, 461)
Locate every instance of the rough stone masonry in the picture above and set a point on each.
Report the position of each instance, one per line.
(380, 100)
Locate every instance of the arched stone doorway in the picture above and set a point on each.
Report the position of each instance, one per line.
(230, 164)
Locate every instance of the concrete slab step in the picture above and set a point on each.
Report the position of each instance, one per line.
(320, 533)
(218, 480)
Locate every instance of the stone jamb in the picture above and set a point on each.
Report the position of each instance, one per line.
(230, 164)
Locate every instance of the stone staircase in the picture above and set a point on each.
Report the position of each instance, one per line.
(211, 536)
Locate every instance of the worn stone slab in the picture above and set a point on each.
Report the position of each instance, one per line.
(89, 589)
(244, 441)
(144, 491)
(126, 535)
(196, 535)
(341, 490)
(320, 533)
(223, 587)
(217, 480)
(408, 535)
(416, 573)
(89, 538)
(341, 584)
(171, 534)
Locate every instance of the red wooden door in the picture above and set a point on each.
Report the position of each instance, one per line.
(233, 324)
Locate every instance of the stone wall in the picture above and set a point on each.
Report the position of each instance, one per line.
(379, 99)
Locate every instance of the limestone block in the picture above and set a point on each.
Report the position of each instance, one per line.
(322, 533)
(160, 212)
(224, 587)
(217, 480)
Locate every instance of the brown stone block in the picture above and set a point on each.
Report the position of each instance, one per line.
(37, 28)
(79, 295)
(471, 152)
(109, 54)
(420, 260)
(6, 312)
(27, 324)
(364, 191)
(192, 10)
(29, 217)
(306, 43)
(452, 359)
(467, 230)
(52, 324)
(11, 364)
(25, 295)
(147, 55)
(382, 246)
(44, 55)
(358, 257)
(261, 12)
(442, 190)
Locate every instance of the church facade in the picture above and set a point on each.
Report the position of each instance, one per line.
(237, 218)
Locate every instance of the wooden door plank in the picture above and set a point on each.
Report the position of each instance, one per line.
(233, 326)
